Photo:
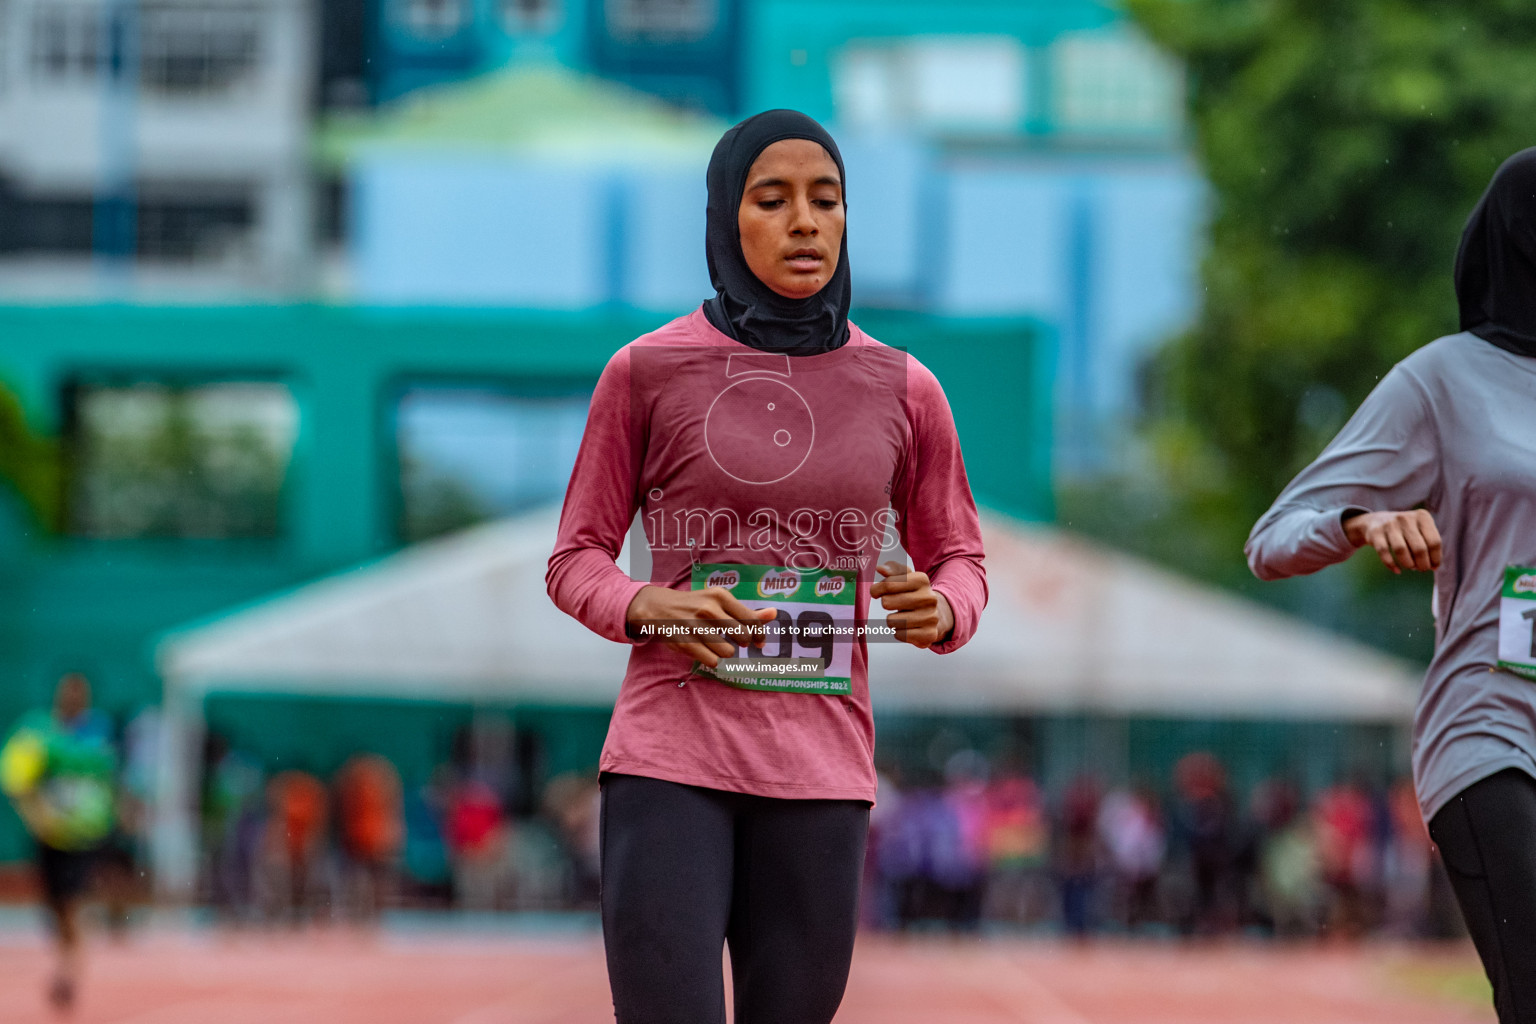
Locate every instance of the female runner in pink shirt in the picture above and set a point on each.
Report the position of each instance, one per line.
(772, 450)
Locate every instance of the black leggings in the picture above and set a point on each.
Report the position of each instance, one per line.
(1487, 839)
(686, 870)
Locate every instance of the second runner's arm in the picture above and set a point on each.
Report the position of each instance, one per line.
(1386, 459)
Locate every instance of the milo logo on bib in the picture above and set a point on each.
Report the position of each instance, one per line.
(779, 583)
(830, 586)
(727, 578)
(808, 646)
(1525, 583)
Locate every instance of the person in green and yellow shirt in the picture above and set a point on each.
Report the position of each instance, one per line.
(58, 769)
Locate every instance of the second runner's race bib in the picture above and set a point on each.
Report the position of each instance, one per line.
(1517, 622)
(809, 645)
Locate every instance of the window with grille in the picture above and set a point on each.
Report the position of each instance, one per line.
(151, 459)
(1114, 82)
(431, 19)
(198, 49)
(661, 21)
(66, 41)
(189, 224)
(192, 226)
(944, 83)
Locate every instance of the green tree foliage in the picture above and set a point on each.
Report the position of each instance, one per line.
(29, 463)
(1345, 142)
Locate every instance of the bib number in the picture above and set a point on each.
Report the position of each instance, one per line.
(808, 647)
(1517, 622)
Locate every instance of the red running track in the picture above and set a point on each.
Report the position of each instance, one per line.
(337, 977)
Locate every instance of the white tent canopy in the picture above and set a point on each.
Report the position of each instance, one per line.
(465, 617)
(1069, 628)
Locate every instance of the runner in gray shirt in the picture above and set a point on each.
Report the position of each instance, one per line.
(1445, 447)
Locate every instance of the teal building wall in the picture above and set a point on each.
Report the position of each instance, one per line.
(790, 46)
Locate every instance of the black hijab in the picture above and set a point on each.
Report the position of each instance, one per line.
(1496, 264)
(744, 307)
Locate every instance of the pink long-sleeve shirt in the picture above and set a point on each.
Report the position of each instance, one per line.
(816, 461)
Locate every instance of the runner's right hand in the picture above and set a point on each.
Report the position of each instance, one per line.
(709, 616)
(1408, 539)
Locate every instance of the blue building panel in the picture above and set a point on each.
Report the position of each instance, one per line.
(1147, 271)
(1007, 236)
(893, 250)
(662, 239)
(794, 47)
(470, 231)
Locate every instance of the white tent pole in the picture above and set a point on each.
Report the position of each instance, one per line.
(173, 844)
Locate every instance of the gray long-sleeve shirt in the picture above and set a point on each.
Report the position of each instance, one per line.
(1453, 428)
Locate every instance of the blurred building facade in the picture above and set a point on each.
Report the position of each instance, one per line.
(1019, 159)
(155, 148)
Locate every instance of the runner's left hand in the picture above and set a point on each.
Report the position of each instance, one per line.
(921, 616)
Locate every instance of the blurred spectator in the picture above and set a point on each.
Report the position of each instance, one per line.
(477, 838)
(905, 853)
(572, 802)
(427, 862)
(295, 837)
(57, 768)
(1406, 865)
(1131, 832)
(961, 871)
(370, 811)
(1017, 844)
(933, 866)
(1205, 829)
(1344, 820)
(1289, 873)
(879, 905)
(1078, 857)
(234, 823)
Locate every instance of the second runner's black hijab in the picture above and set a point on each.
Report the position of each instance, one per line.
(744, 307)
(1496, 264)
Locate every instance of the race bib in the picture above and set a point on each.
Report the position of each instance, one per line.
(1517, 622)
(81, 811)
(809, 644)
